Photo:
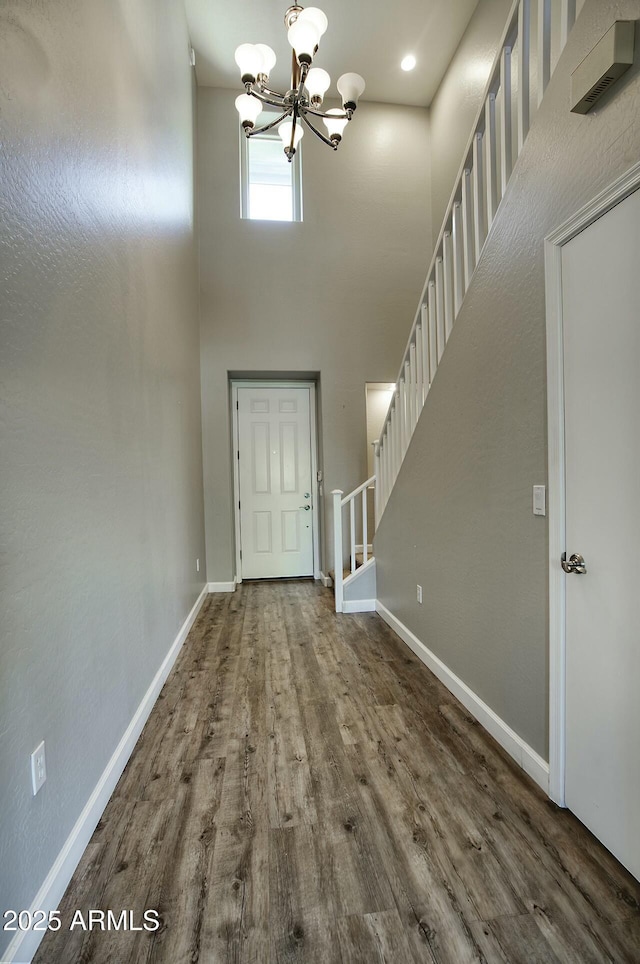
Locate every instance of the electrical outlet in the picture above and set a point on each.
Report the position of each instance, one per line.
(197, 565)
(38, 768)
(419, 594)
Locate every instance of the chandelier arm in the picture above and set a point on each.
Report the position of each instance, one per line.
(317, 132)
(271, 93)
(267, 127)
(266, 100)
(319, 113)
(293, 132)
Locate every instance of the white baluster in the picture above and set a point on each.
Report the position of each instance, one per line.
(524, 72)
(506, 127)
(567, 20)
(413, 381)
(352, 526)
(467, 227)
(365, 532)
(433, 343)
(420, 392)
(447, 261)
(404, 440)
(478, 195)
(390, 476)
(337, 548)
(544, 46)
(458, 257)
(426, 368)
(491, 158)
(384, 483)
(395, 440)
(440, 329)
(384, 470)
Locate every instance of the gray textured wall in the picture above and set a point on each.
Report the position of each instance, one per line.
(101, 516)
(334, 294)
(459, 520)
(458, 98)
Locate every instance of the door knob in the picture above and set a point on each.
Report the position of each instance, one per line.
(305, 507)
(575, 565)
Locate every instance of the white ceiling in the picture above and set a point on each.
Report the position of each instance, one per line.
(368, 37)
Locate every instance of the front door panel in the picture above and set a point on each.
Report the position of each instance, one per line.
(274, 444)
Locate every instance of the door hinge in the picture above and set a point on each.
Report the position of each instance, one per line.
(237, 404)
(238, 503)
(241, 553)
(238, 455)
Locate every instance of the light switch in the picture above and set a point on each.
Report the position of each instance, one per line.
(539, 500)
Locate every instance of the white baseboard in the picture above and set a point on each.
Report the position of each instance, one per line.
(222, 586)
(526, 757)
(358, 605)
(326, 581)
(25, 943)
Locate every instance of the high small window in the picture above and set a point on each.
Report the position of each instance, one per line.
(271, 187)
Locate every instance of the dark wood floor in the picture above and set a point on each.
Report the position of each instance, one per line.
(305, 790)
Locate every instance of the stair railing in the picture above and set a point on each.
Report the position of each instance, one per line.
(495, 144)
(355, 504)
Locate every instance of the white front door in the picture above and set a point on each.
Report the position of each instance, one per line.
(274, 471)
(601, 332)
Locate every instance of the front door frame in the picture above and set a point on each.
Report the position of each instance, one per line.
(237, 383)
(621, 188)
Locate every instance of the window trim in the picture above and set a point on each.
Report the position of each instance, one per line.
(296, 179)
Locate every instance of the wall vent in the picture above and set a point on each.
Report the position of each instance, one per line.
(605, 64)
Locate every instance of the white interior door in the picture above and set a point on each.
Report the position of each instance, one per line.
(601, 332)
(275, 479)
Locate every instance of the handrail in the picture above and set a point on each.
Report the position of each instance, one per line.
(365, 485)
(480, 187)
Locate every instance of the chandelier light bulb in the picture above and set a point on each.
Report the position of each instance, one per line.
(268, 59)
(350, 87)
(249, 60)
(315, 16)
(304, 38)
(284, 130)
(317, 83)
(335, 122)
(249, 109)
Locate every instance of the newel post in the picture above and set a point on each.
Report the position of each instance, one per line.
(337, 547)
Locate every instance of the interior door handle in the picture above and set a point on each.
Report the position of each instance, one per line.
(575, 566)
(305, 507)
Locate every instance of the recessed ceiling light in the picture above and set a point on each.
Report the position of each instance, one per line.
(408, 63)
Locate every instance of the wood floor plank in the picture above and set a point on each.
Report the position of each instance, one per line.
(216, 703)
(306, 790)
(434, 904)
(301, 907)
(291, 801)
(189, 844)
(375, 938)
(133, 886)
(235, 913)
(360, 882)
(513, 940)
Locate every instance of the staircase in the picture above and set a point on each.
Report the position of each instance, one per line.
(518, 79)
(355, 585)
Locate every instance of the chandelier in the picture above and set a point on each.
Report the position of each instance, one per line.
(305, 26)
